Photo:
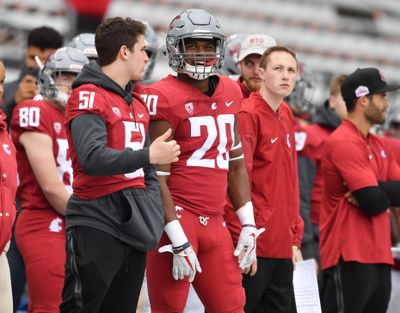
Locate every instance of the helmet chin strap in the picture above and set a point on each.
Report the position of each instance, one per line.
(198, 72)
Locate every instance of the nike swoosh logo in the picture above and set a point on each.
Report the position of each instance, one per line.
(228, 104)
(140, 115)
(275, 139)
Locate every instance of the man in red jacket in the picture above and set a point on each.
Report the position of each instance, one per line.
(266, 130)
(361, 181)
(8, 188)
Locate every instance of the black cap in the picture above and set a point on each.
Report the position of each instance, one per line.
(365, 81)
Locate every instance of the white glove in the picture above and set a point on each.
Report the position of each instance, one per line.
(247, 240)
(247, 245)
(185, 262)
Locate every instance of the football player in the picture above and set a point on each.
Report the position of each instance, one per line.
(231, 58)
(114, 215)
(85, 43)
(45, 175)
(199, 106)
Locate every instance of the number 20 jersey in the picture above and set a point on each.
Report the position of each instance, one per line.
(41, 117)
(204, 129)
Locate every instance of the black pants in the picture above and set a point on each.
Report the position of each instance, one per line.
(102, 274)
(271, 288)
(352, 287)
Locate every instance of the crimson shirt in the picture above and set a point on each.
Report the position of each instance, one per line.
(352, 161)
(271, 161)
(204, 129)
(126, 127)
(41, 117)
(8, 183)
(313, 148)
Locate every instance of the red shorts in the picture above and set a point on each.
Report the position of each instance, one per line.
(40, 237)
(219, 285)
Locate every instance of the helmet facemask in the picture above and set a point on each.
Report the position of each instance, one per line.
(191, 26)
(197, 65)
(63, 86)
(301, 98)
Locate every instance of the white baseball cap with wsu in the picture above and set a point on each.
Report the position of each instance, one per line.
(257, 44)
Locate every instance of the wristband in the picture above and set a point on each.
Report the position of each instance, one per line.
(246, 214)
(162, 173)
(248, 225)
(237, 158)
(177, 250)
(238, 146)
(175, 233)
(294, 248)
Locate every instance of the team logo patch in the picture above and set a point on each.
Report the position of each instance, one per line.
(56, 225)
(6, 148)
(57, 127)
(203, 220)
(116, 111)
(213, 106)
(300, 139)
(383, 154)
(362, 91)
(189, 108)
(131, 115)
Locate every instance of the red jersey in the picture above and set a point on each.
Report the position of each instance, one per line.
(41, 117)
(313, 147)
(8, 183)
(352, 161)
(204, 129)
(126, 127)
(271, 161)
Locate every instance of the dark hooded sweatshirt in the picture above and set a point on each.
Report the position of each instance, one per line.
(326, 118)
(134, 216)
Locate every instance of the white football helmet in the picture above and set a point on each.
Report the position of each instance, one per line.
(63, 60)
(85, 43)
(232, 50)
(195, 24)
(152, 48)
(302, 95)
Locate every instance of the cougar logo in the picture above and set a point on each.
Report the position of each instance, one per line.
(189, 108)
(116, 111)
(55, 225)
(57, 127)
